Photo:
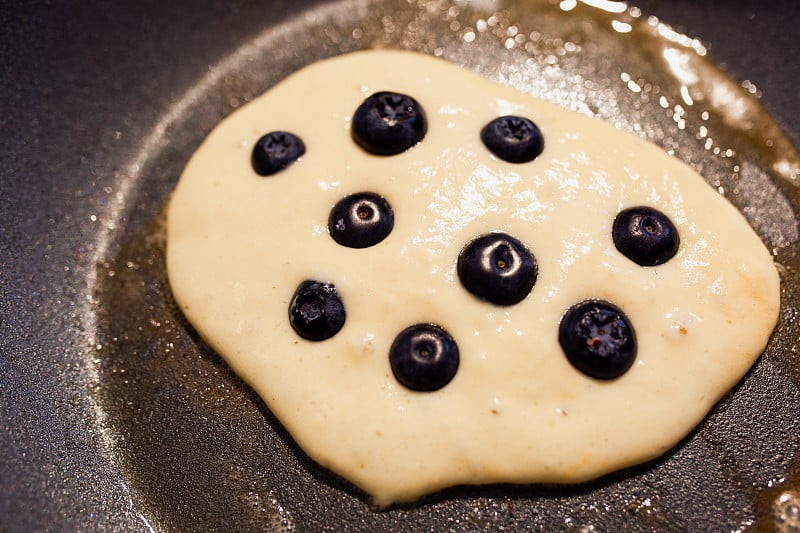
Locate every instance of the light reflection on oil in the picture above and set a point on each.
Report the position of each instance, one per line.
(621, 27)
(680, 63)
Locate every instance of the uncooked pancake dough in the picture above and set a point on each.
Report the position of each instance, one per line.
(239, 245)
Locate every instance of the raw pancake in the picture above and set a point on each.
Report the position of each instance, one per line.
(517, 411)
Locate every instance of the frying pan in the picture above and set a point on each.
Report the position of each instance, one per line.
(113, 413)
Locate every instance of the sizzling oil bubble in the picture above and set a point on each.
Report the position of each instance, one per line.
(159, 387)
(786, 512)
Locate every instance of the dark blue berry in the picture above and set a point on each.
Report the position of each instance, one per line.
(361, 220)
(598, 339)
(498, 268)
(645, 236)
(388, 123)
(316, 312)
(513, 139)
(424, 357)
(275, 151)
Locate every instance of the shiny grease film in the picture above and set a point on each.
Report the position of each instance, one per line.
(202, 450)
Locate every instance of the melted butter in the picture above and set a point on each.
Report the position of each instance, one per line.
(598, 63)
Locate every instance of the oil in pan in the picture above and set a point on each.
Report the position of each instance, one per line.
(203, 452)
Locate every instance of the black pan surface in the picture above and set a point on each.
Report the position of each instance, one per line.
(115, 416)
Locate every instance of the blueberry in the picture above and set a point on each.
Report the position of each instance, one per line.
(361, 220)
(645, 236)
(275, 151)
(424, 357)
(388, 123)
(513, 139)
(598, 339)
(316, 312)
(498, 268)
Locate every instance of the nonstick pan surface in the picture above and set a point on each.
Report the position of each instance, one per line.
(114, 415)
